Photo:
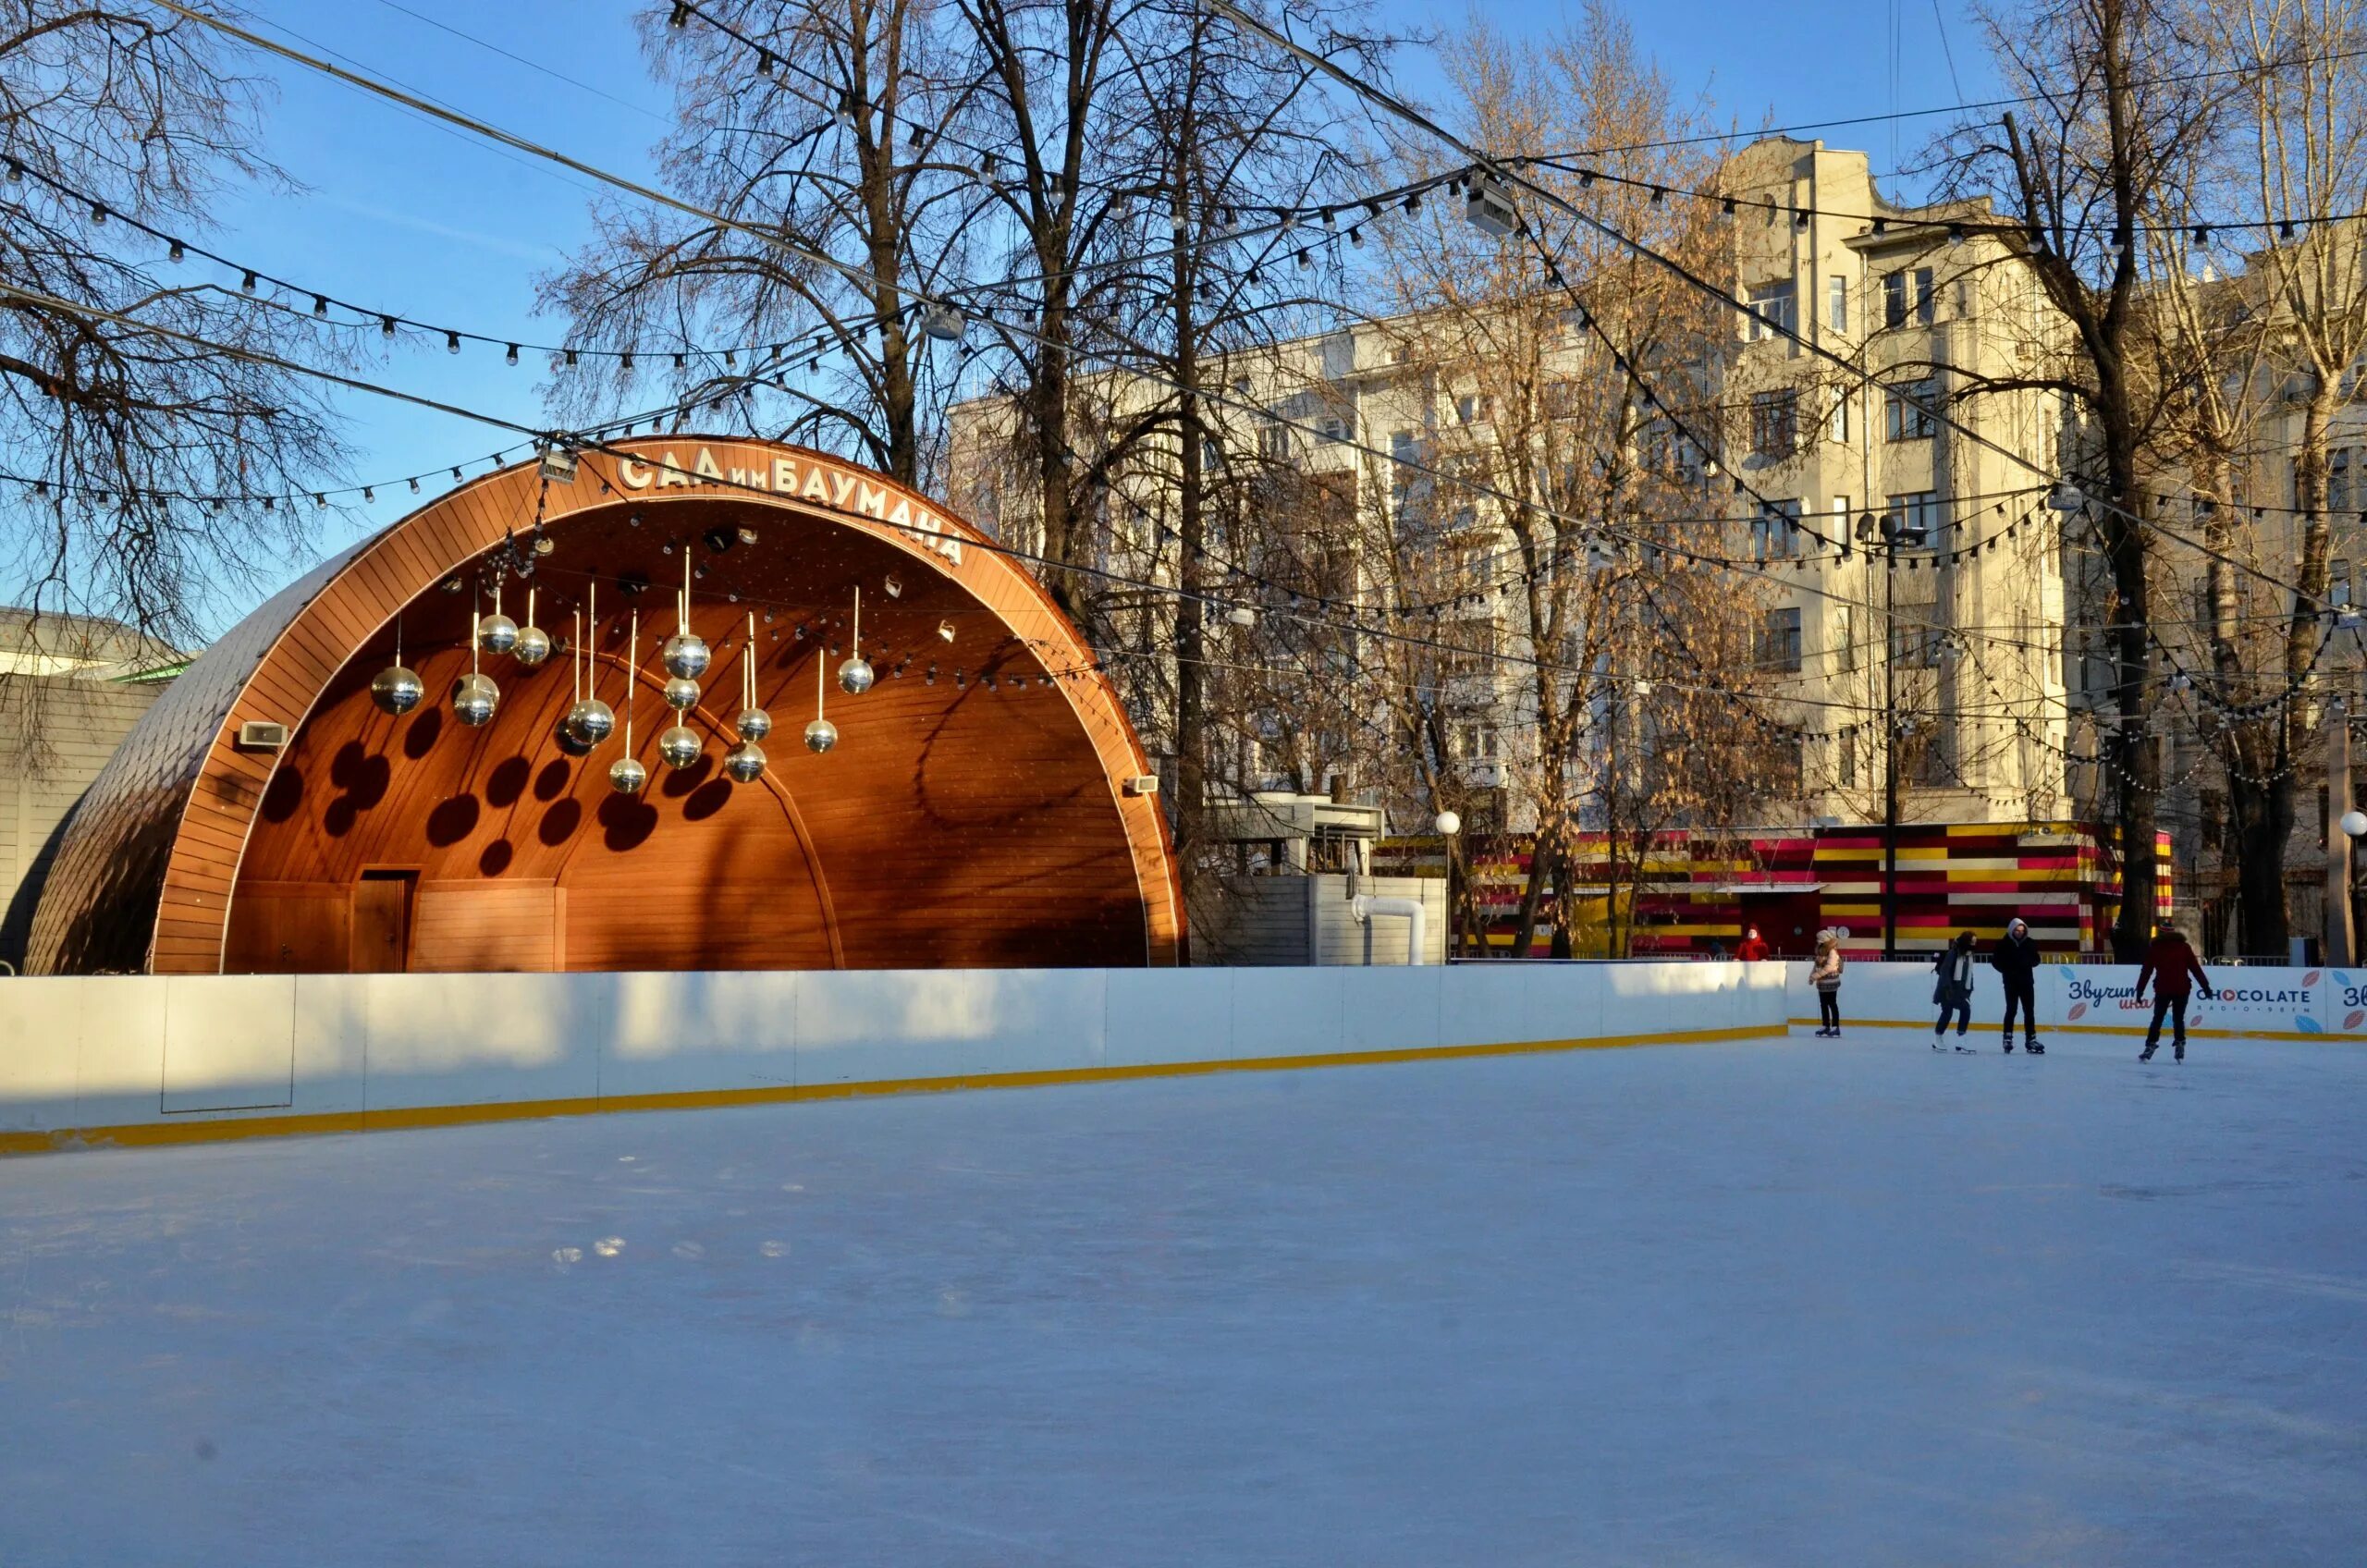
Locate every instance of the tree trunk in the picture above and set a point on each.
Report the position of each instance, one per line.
(2263, 818)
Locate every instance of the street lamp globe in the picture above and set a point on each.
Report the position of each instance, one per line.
(1448, 823)
(2355, 823)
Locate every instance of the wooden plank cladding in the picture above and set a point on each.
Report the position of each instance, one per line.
(974, 812)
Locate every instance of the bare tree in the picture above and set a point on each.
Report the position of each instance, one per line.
(150, 470)
(2115, 124)
(2302, 116)
(829, 124)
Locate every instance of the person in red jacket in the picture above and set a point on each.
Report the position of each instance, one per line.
(2169, 963)
(1753, 947)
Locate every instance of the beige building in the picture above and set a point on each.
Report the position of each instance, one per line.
(71, 687)
(1955, 622)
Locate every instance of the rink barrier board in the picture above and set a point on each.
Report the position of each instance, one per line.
(131, 1061)
(2322, 1005)
(158, 1134)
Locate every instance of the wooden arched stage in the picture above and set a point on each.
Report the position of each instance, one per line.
(982, 817)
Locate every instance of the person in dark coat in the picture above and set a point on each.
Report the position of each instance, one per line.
(2015, 958)
(2170, 963)
(1951, 986)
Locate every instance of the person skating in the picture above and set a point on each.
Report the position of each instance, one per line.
(2015, 958)
(2170, 963)
(1825, 975)
(1952, 987)
(1753, 947)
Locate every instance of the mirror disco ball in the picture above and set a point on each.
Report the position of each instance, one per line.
(686, 655)
(473, 699)
(397, 690)
(680, 746)
(681, 693)
(855, 676)
(591, 720)
(496, 634)
(820, 736)
(626, 775)
(534, 646)
(753, 724)
(744, 763)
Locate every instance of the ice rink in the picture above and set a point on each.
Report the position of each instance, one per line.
(1776, 1303)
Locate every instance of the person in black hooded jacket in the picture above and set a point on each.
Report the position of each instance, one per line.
(2016, 958)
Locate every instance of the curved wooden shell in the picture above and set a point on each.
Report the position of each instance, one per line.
(956, 823)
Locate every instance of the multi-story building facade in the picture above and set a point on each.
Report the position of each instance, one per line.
(1905, 565)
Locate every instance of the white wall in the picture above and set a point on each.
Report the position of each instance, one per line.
(150, 1058)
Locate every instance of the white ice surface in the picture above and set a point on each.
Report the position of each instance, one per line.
(1776, 1303)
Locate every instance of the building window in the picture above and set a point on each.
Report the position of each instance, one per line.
(1274, 442)
(1474, 741)
(1474, 408)
(1918, 509)
(1916, 638)
(1837, 303)
(1779, 642)
(1775, 424)
(2337, 581)
(2338, 495)
(1907, 410)
(1775, 532)
(1561, 399)
(1774, 312)
(1837, 427)
(1847, 744)
(1907, 292)
(1845, 632)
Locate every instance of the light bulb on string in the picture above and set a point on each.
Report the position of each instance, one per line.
(820, 735)
(754, 723)
(497, 633)
(626, 774)
(474, 696)
(591, 720)
(685, 652)
(855, 676)
(397, 689)
(534, 644)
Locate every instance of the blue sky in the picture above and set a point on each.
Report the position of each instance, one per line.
(404, 215)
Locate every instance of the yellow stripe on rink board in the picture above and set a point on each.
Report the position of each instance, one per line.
(2133, 1031)
(150, 1134)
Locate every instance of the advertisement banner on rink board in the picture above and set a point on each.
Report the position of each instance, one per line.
(2246, 1001)
(2280, 1003)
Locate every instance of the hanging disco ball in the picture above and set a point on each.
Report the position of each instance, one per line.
(744, 762)
(686, 655)
(473, 699)
(496, 634)
(753, 724)
(680, 746)
(681, 693)
(855, 676)
(397, 690)
(575, 745)
(820, 736)
(591, 720)
(626, 775)
(533, 647)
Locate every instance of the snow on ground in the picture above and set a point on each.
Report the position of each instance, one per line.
(1776, 1303)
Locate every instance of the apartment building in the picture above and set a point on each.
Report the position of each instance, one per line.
(1905, 564)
